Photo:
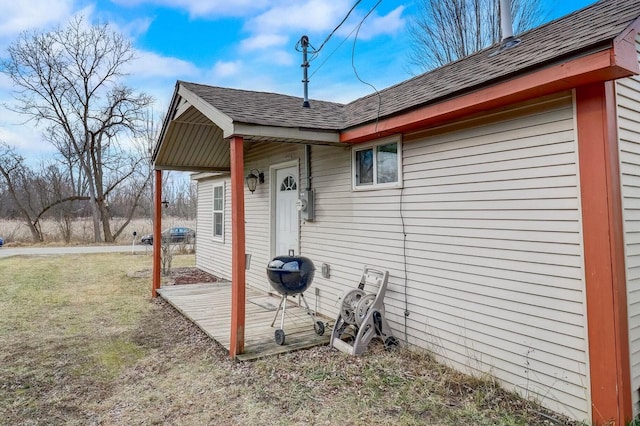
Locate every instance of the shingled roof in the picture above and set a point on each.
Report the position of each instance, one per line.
(585, 31)
(270, 109)
(588, 30)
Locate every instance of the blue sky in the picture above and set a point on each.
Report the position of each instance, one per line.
(246, 44)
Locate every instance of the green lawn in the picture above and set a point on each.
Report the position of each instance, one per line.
(81, 342)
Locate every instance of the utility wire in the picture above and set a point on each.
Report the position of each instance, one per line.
(353, 63)
(404, 256)
(316, 51)
(334, 51)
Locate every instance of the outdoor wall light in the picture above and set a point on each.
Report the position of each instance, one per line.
(253, 179)
(165, 203)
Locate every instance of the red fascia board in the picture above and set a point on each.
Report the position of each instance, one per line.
(624, 52)
(588, 69)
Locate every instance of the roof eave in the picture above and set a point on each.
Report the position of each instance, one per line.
(624, 48)
(175, 100)
(216, 116)
(258, 132)
(610, 63)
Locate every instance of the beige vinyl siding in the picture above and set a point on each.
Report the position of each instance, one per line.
(262, 156)
(215, 256)
(492, 217)
(493, 248)
(493, 252)
(212, 255)
(628, 99)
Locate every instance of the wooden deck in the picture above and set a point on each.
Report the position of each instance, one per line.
(209, 307)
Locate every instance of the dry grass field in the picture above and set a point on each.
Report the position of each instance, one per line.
(16, 232)
(82, 343)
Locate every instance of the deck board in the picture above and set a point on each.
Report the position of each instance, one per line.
(208, 306)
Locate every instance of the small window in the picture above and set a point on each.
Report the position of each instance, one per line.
(218, 212)
(377, 165)
(288, 184)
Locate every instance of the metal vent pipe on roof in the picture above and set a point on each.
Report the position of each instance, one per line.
(506, 21)
(506, 27)
(304, 42)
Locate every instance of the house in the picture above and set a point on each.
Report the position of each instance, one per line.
(501, 191)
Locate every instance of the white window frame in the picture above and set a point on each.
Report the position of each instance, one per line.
(373, 145)
(214, 211)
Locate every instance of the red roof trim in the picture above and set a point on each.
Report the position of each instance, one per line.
(624, 48)
(605, 65)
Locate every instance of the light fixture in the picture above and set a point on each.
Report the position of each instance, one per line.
(165, 203)
(253, 179)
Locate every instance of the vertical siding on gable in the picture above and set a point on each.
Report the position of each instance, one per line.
(493, 250)
(628, 99)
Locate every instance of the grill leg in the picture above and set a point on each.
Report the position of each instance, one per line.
(284, 309)
(309, 311)
(278, 311)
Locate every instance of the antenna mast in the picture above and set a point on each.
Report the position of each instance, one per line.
(304, 42)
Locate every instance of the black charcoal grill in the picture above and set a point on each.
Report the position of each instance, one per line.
(290, 276)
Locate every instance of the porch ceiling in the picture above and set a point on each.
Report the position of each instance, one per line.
(195, 134)
(192, 142)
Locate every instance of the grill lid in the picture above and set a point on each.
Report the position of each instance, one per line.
(290, 274)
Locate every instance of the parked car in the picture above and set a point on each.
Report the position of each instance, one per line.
(177, 234)
(1, 242)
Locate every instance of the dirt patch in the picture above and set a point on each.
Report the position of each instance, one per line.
(183, 275)
(192, 275)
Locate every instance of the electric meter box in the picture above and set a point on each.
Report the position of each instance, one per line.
(305, 205)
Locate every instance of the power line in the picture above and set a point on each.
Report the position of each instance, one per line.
(355, 28)
(316, 51)
(304, 42)
(334, 51)
(353, 62)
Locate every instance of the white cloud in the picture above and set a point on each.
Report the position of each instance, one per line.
(6, 84)
(133, 28)
(25, 136)
(316, 18)
(204, 8)
(151, 65)
(311, 15)
(18, 16)
(226, 69)
(279, 57)
(263, 41)
(376, 25)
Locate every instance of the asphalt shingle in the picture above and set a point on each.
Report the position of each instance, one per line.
(588, 30)
(270, 109)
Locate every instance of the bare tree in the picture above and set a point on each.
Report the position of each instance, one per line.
(17, 178)
(35, 193)
(446, 30)
(70, 80)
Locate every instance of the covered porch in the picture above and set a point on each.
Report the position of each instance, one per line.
(209, 307)
(209, 130)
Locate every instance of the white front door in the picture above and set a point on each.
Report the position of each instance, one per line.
(285, 219)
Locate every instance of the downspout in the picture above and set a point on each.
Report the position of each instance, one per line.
(305, 204)
(307, 166)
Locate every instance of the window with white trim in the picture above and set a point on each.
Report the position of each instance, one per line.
(218, 211)
(377, 165)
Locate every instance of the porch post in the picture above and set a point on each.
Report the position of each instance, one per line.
(604, 254)
(237, 248)
(157, 231)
